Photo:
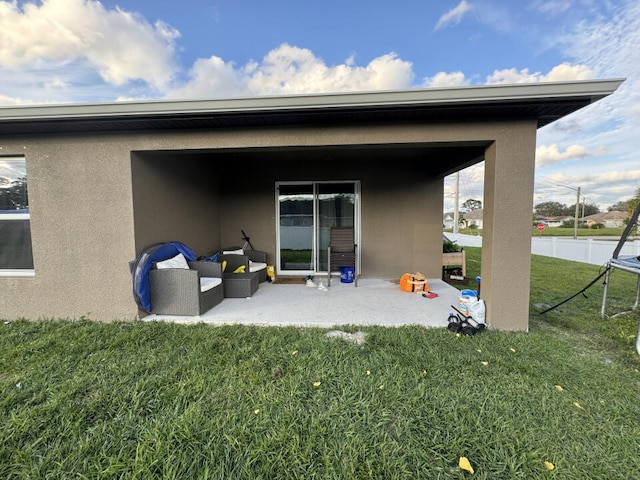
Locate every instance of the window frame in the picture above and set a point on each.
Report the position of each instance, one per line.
(17, 272)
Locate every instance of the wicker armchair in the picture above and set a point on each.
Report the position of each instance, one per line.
(176, 291)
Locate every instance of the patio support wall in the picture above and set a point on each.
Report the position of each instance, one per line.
(506, 241)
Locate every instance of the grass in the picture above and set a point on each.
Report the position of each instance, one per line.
(582, 232)
(131, 400)
(558, 232)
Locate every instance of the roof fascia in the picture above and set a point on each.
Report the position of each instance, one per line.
(590, 90)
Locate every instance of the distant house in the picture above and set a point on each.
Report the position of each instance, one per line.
(473, 219)
(555, 221)
(613, 219)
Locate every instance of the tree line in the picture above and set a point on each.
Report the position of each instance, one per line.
(557, 209)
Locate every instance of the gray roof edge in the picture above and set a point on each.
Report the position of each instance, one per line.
(497, 93)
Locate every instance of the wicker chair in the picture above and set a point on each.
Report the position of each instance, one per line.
(342, 251)
(177, 291)
(259, 265)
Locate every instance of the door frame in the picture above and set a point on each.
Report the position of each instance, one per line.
(356, 222)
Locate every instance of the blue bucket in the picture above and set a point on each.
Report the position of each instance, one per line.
(346, 274)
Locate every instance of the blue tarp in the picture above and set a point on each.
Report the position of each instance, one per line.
(144, 262)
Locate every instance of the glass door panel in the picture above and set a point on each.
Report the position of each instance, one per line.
(296, 228)
(335, 208)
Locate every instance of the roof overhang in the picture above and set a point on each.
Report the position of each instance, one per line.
(544, 102)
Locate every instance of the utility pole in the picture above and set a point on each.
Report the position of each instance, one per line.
(456, 220)
(575, 220)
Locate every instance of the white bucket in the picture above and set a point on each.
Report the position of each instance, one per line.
(478, 311)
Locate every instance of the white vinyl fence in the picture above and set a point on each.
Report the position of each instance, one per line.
(585, 250)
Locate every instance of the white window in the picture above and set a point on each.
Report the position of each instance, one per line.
(16, 258)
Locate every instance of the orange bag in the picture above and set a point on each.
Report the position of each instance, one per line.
(414, 282)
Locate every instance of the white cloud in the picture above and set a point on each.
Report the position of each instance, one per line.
(288, 69)
(597, 184)
(454, 16)
(608, 45)
(552, 7)
(292, 70)
(444, 79)
(546, 155)
(559, 73)
(210, 77)
(6, 100)
(121, 46)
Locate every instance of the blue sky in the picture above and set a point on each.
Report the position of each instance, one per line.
(79, 51)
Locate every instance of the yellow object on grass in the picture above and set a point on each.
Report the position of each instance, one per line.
(465, 465)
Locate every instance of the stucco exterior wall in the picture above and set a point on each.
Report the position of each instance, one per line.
(506, 243)
(94, 205)
(81, 226)
(399, 232)
(175, 198)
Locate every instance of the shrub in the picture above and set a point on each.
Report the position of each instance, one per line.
(449, 246)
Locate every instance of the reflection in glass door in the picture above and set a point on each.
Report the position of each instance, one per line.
(296, 229)
(306, 213)
(336, 208)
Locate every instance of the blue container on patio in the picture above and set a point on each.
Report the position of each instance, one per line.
(346, 274)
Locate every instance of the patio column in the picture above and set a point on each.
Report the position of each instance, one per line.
(506, 233)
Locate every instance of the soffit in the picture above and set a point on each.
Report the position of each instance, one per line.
(435, 159)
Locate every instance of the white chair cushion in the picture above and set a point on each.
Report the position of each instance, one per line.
(256, 266)
(207, 283)
(176, 262)
(233, 252)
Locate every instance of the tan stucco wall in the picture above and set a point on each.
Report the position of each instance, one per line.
(506, 243)
(175, 198)
(81, 224)
(399, 232)
(82, 198)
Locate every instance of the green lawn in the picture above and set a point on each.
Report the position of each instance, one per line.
(157, 400)
(558, 232)
(582, 232)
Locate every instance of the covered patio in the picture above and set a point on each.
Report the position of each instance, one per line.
(373, 302)
(108, 180)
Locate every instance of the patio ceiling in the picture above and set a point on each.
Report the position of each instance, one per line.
(545, 102)
(438, 159)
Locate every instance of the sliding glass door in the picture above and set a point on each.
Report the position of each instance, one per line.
(306, 212)
(336, 204)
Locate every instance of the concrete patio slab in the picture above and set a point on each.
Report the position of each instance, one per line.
(372, 302)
